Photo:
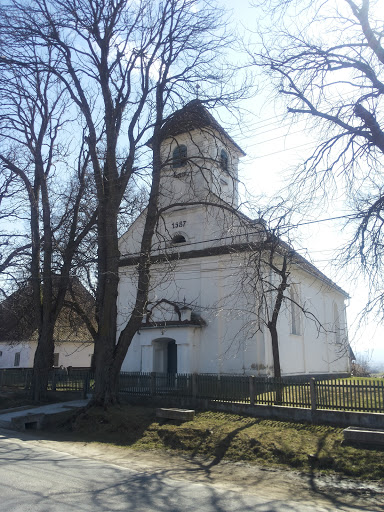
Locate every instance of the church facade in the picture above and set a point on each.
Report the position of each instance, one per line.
(210, 301)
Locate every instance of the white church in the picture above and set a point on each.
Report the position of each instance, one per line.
(206, 311)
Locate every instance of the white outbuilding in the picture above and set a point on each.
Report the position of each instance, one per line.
(212, 289)
(74, 345)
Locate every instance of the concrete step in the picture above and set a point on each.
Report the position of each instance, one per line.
(35, 417)
(175, 414)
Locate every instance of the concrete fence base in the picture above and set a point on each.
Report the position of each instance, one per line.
(318, 416)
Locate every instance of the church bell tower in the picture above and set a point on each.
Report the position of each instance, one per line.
(200, 160)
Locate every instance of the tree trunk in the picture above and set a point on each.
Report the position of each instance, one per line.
(109, 352)
(43, 363)
(106, 382)
(106, 385)
(275, 351)
(276, 363)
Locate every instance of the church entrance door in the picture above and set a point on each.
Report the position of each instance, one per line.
(171, 357)
(165, 358)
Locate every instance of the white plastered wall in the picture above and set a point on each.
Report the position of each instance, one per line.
(70, 354)
(225, 344)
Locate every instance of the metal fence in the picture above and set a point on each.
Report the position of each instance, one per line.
(338, 394)
(15, 378)
(57, 380)
(305, 392)
(361, 395)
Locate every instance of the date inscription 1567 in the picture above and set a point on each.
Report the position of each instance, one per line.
(179, 224)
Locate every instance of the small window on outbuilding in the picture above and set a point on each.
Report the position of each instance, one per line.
(224, 160)
(56, 359)
(179, 156)
(178, 239)
(17, 359)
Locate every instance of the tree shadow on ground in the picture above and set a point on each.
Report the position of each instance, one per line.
(323, 459)
(122, 426)
(126, 425)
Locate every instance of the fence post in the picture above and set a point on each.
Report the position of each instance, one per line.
(85, 385)
(54, 380)
(218, 387)
(194, 385)
(153, 384)
(252, 389)
(312, 391)
(27, 380)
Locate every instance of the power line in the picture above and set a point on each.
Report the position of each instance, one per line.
(248, 131)
(276, 118)
(234, 236)
(283, 150)
(259, 143)
(350, 216)
(209, 270)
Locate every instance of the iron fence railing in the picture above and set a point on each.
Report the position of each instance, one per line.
(19, 378)
(56, 380)
(304, 392)
(339, 394)
(224, 388)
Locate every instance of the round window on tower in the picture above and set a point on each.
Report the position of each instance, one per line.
(178, 239)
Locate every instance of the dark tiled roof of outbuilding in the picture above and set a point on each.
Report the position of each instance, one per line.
(18, 321)
(191, 117)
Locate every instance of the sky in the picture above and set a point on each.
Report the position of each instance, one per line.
(273, 149)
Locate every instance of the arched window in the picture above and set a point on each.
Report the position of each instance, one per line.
(224, 160)
(295, 310)
(179, 156)
(178, 239)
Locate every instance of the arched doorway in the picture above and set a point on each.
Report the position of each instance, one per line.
(165, 356)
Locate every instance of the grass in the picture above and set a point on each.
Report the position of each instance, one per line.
(218, 436)
(376, 378)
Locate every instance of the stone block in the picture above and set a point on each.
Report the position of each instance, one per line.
(364, 435)
(28, 422)
(176, 414)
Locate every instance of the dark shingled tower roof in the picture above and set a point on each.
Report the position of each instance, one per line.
(191, 117)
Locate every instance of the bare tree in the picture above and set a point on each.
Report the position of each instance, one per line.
(270, 264)
(34, 160)
(125, 66)
(361, 366)
(266, 283)
(325, 62)
(13, 245)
